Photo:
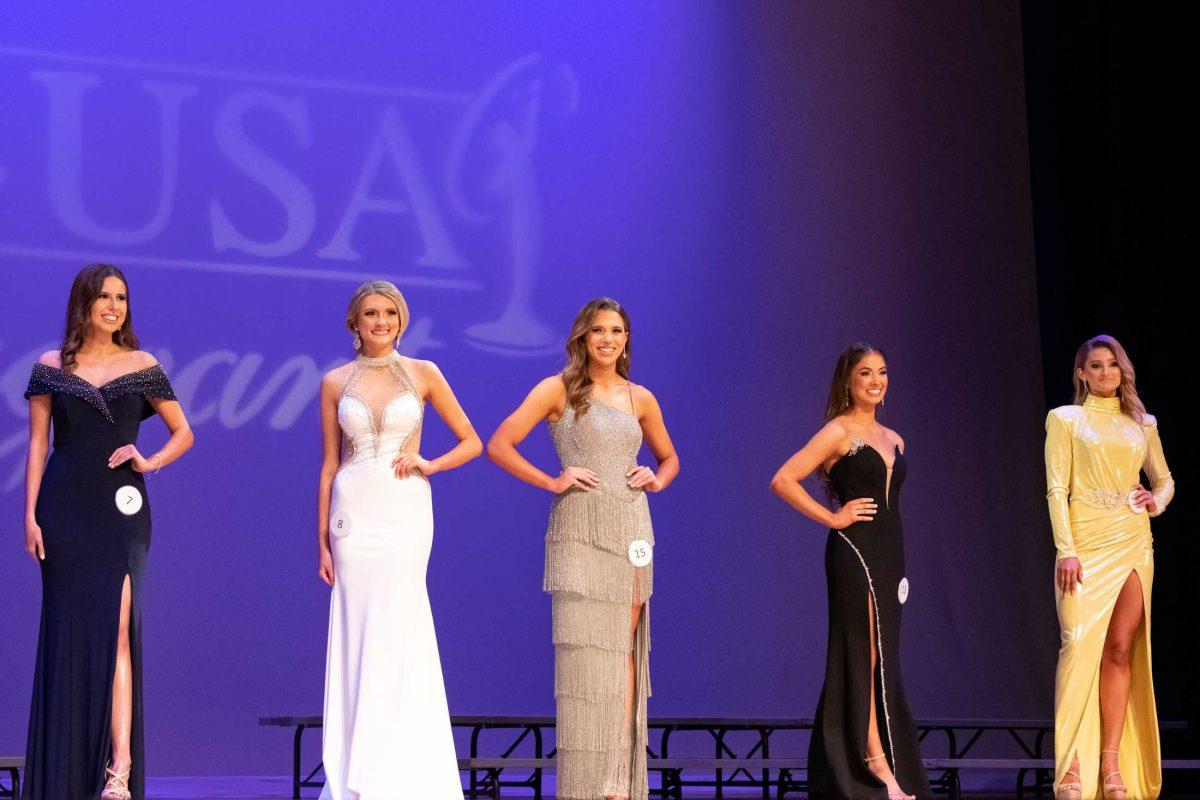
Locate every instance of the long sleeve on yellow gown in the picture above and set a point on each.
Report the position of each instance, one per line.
(1094, 457)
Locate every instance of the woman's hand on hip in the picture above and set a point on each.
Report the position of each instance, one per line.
(643, 478)
(407, 464)
(860, 510)
(575, 478)
(1143, 498)
(129, 453)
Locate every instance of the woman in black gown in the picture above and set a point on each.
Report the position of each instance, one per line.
(87, 522)
(864, 742)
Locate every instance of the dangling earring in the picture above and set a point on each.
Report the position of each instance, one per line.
(396, 343)
(357, 341)
(882, 400)
(625, 355)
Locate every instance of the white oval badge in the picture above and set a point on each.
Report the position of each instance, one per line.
(902, 591)
(339, 525)
(128, 500)
(1131, 497)
(640, 553)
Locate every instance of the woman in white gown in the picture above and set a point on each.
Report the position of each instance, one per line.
(387, 726)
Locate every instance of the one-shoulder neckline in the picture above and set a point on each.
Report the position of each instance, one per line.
(95, 386)
(624, 411)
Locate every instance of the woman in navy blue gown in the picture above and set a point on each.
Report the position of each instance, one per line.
(87, 522)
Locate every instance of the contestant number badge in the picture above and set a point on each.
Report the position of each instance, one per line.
(128, 500)
(641, 552)
(339, 525)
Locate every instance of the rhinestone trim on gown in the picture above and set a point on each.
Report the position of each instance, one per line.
(387, 725)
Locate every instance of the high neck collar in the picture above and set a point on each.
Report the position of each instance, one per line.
(381, 361)
(1107, 405)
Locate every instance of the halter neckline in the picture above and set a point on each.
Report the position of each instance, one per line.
(381, 361)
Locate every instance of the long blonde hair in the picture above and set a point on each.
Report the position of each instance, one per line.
(1131, 404)
(575, 375)
(385, 289)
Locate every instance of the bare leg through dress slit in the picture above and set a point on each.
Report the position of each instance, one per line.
(1123, 627)
(122, 700)
(878, 757)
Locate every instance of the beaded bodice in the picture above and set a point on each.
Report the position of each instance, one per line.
(605, 440)
(144, 383)
(84, 414)
(379, 411)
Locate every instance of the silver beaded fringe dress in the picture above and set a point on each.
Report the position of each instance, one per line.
(594, 586)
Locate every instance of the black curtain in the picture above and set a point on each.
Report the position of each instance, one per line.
(1109, 87)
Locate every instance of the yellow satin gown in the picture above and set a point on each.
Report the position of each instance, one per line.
(1094, 457)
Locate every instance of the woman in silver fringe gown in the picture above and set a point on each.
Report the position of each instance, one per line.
(599, 549)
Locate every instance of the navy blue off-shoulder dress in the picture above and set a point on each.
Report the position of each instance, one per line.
(95, 524)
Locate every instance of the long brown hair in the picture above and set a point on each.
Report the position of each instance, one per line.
(84, 290)
(839, 390)
(575, 375)
(1131, 404)
(839, 393)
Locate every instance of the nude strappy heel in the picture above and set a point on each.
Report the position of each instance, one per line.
(116, 786)
(900, 795)
(1069, 790)
(1113, 791)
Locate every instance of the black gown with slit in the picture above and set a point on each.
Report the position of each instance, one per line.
(864, 563)
(95, 525)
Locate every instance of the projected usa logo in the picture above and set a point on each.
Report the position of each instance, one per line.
(201, 169)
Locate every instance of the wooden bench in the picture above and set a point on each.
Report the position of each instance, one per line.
(13, 766)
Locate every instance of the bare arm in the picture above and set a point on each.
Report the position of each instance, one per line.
(447, 407)
(787, 481)
(182, 437)
(654, 431)
(180, 441)
(35, 467)
(331, 457)
(547, 398)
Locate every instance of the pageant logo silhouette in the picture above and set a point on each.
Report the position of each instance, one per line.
(219, 171)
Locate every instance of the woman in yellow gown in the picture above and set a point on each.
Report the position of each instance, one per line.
(1105, 725)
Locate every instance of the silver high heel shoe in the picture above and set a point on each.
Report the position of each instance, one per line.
(117, 785)
(900, 795)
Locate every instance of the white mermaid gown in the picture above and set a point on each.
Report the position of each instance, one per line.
(387, 726)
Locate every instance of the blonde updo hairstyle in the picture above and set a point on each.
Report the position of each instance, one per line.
(384, 289)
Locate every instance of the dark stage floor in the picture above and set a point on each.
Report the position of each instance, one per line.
(279, 788)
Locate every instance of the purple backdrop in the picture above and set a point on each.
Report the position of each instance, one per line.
(758, 185)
